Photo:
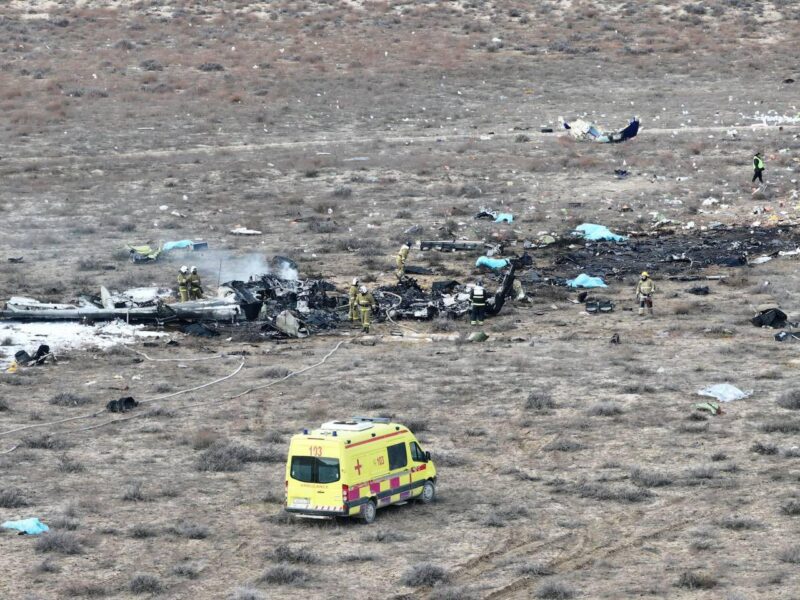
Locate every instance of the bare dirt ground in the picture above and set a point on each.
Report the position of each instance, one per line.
(570, 467)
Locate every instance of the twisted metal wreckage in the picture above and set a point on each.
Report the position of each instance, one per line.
(279, 307)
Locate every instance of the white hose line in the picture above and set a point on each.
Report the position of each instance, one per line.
(99, 412)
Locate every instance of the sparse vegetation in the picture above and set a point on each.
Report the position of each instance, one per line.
(424, 575)
(61, 542)
(605, 409)
(790, 399)
(539, 400)
(554, 590)
(12, 498)
(790, 555)
(696, 580)
(284, 575)
(224, 455)
(145, 583)
(294, 555)
(648, 478)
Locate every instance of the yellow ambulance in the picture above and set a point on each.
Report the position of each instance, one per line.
(354, 467)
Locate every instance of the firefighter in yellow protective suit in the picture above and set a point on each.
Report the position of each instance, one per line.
(402, 256)
(351, 300)
(644, 293)
(366, 304)
(183, 283)
(195, 285)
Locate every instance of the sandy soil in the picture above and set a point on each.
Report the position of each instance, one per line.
(570, 467)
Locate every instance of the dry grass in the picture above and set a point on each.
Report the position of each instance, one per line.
(273, 148)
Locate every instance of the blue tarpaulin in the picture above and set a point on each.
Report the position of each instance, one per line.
(504, 217)
(595, 233)
(492, 263)
(30, 526)
(584, 281)
(176, 245)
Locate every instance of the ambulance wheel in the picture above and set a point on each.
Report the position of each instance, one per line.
(368, 512)
(428, 492)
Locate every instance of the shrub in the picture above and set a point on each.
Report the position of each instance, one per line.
(190, 530)
(45, 441)
(619, 494)
(342, 191)
(62, 542)
(695, 580)
(68, 465)
(443, 325)
(291, 555)
(284, 575)
(790, 555)
(141, 531)
(554, 590)
(736, 523)
(450, 459)
(133, 493)
(275, 372)
(227, 456)
(605, 409)
(764, 448)
(790, 400)
(792, 508)
(424, 575)
(781, 427)
(645, 478)
(187, 569)
(539, 400)
(48, 566)
(563, 445)
(12, 498)
(4, 406)
(416, 424)
(144, 583)
(85, 590)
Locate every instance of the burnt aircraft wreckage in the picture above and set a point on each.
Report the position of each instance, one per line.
(279, 304)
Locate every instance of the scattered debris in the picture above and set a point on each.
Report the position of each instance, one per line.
(32, 526)
(498, 217)
(122, 405)
(477, 337)
(599, 306)
(495, 264)
(244, 231)
(699, 290)
(199, 330)
(40, 357)
(15, 259)
(725, 392)
(770, 315)
(621, 173)
(783, 336)
(615, 339)
(585, 281)
(595, 233)
(710, 407)
(450, 245)
(586, 131)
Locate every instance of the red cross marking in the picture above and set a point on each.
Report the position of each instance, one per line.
(358, 467)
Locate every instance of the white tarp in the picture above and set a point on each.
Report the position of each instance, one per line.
(724, 392)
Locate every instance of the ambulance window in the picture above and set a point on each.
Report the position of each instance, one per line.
(397, 456)
(327, 470)
(303, 468)
(417, 455)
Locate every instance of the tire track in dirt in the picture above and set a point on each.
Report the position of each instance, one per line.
(95, 161)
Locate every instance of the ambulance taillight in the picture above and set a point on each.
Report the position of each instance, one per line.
(345, 491)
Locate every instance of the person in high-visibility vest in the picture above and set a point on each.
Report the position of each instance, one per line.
(352, 293)
(402, 256)
(366, 304)
(183, 283)
(195, 285)
(477, 298)
(758, 167)
(644, 293)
